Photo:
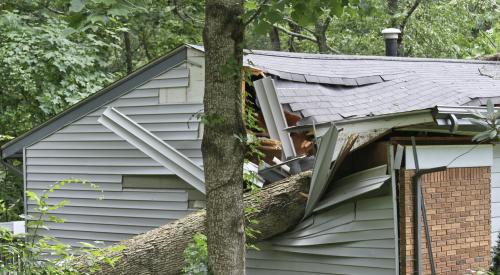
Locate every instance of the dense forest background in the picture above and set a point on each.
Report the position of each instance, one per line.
(53, 53)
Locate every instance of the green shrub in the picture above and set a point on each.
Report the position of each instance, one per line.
(196, 256)
(35, 254)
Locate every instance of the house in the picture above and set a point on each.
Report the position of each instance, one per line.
(139, 140)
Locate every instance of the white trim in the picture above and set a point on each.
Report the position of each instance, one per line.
(451, 156)
(273, 114)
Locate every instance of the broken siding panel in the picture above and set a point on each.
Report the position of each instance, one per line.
(354, 185)
(338, 240)
(155, 147)
(495, 195)
(86, 150)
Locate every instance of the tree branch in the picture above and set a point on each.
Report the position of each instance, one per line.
(405, 21)
(46, 5)
(184, 16)
(294, 34)
(409, 14)
(256, 13)
(297, 24)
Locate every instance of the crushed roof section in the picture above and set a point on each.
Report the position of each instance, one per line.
(327, 88)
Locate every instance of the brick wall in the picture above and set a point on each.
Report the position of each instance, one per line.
(458, 212)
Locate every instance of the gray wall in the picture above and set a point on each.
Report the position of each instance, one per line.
(88, 151)
(495, 195)
(355, 237)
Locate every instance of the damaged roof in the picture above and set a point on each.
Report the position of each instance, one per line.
(322, 88)
(326, 88)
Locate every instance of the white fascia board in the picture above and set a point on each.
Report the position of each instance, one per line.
(378, 122)
(273, 114)
(385, 121)
(154, 147)
(451, 156)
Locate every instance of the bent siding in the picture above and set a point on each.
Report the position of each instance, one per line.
(86, 150)
(352, 232)
(353, 238)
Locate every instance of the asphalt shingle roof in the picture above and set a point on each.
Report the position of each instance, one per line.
(332, 87)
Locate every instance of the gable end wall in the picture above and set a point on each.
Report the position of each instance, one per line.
(86, 150)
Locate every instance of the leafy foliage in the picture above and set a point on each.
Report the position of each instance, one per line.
(488, 121)
(11, 196)
(451, 29)
(35, 254)
(45, 66)
(196, 256)
(495, 265)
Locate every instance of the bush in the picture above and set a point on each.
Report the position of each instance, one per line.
(35, 254)
(495, 266)
(196, 256)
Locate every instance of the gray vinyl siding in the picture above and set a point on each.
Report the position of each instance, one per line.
(355, 237)
(495, 195)
(86, 150)
(351, 234)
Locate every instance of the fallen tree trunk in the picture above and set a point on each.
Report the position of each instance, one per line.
(278, 207)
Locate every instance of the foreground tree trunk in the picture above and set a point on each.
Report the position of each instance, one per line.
(222, 147)
(279, 207)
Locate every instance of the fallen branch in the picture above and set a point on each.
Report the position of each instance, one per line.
(279, 207)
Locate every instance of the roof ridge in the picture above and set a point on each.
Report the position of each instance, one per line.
(364, 57)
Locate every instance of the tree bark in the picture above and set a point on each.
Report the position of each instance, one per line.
(274, 36)
(320, 28)
(222, 146)
(128, 52)
(160, 251)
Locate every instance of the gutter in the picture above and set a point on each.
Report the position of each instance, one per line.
(420, 116)
(456, 116)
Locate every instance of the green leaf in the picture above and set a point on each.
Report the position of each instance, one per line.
(77, 5)
(490, 107)
(476, 121)
(482, 136)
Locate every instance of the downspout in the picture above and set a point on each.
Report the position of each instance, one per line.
(419, 206)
